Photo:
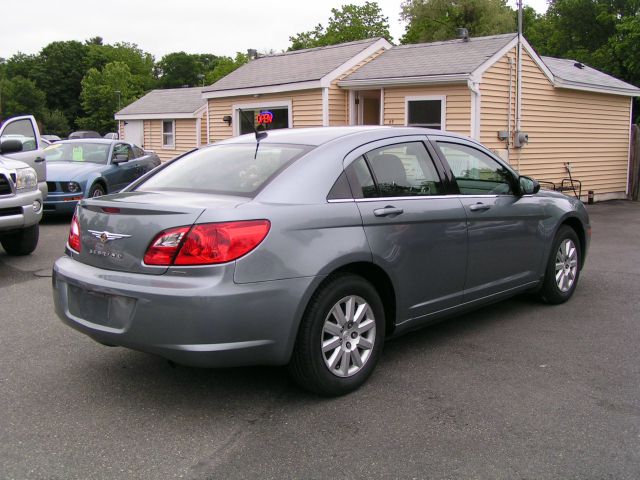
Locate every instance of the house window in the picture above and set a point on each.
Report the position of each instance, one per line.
(168, 133)
(270, 118)
(426, 112)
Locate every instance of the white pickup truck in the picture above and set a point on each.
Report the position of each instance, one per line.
(23, 185)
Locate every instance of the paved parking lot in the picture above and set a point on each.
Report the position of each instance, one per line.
(516, 390)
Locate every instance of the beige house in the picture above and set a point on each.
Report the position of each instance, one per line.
(575, 117)
(169, 122)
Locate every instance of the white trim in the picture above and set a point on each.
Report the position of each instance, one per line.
(443, 107)
(562, 83)
(383, 82)
(355, 60)
(626, 189)
(285, 87)
(534, 56)
(201, 110)
(478, 72)
(352, 107)
(476, 109)
(267, 104)
(208, 125)
(154, 116)
(171, 146)
(382, 106)
(199, 132)
(325, 107)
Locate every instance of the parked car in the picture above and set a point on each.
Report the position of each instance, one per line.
(22, 185)
(90, 168)
(84, 134)
(25, 129)
(50, 138)
(311, 247)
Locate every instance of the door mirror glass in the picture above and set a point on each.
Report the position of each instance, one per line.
(528, 186)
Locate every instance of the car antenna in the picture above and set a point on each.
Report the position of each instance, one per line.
(259, 135)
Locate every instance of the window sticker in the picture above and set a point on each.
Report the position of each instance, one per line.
(77, 154)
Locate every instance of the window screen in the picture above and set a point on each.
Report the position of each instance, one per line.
(425, 113)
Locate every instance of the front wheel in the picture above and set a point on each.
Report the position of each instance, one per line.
(563, 267)
(340, 338)
(96, 190)
(22, 242)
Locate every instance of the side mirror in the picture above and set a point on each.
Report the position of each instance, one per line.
(120, 158)
(11, 146)
(528, 186)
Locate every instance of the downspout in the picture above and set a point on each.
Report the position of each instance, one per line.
(509, 113)
(208, 138)
(519, 72)
(325, 107)
(474, 87)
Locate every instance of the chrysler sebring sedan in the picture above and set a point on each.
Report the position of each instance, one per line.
(310, 247)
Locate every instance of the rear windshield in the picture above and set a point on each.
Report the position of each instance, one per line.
(235, 169)
(80, 152)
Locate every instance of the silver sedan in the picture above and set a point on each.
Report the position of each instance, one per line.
(310, 247)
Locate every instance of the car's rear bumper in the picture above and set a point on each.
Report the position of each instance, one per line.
(207, 321)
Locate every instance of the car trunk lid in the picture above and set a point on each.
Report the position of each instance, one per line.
(116, 230)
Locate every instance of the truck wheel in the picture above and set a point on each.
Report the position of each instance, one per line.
(22, 242)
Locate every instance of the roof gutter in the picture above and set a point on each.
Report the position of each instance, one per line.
(285, 87)
(629, 92)
(387, 82)
(155, 116)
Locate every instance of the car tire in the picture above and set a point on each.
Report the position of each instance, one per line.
(96, 190)
(563, 267)
(22, 242)
(336, 351)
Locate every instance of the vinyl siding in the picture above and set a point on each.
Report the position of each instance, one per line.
(339, 98)
(185, 137)
(458, 105)
(306, 106)
(588, 130)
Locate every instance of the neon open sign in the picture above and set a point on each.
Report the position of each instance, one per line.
(264, 118)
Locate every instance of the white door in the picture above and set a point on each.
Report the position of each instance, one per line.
(134, 132)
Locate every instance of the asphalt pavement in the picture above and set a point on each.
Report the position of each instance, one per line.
(517, 390)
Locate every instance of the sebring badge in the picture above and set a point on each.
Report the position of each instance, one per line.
(105, 236)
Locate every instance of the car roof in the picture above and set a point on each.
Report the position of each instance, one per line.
(107, 141)
(316, 136)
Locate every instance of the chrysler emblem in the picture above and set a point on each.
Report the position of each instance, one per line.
(105, 236)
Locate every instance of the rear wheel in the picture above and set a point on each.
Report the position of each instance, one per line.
(563, 267)
(340, 338)
(22, 242)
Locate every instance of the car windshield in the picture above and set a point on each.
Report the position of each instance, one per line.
(236, 169)
(80, 152)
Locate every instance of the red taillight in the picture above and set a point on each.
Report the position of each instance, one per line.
(164, 247)
(207, 243)
(74, 234)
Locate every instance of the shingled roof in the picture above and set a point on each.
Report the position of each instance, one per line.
(452, 57)
(293, 67)
(571, 73)
(174, 102)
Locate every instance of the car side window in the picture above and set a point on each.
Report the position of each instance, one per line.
(476, 173)
(138, 152)
(123, 150)
(404, 170)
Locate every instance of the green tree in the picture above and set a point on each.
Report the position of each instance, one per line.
(104, 92)
(58, 73)
(140, 63)
(432, 20)
(225, 66)
(20, 96)
(351, 22)
(179, 68)
(55, 123)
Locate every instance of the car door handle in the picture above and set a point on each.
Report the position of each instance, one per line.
(39, 159)
(479, 207)
(387, 211)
